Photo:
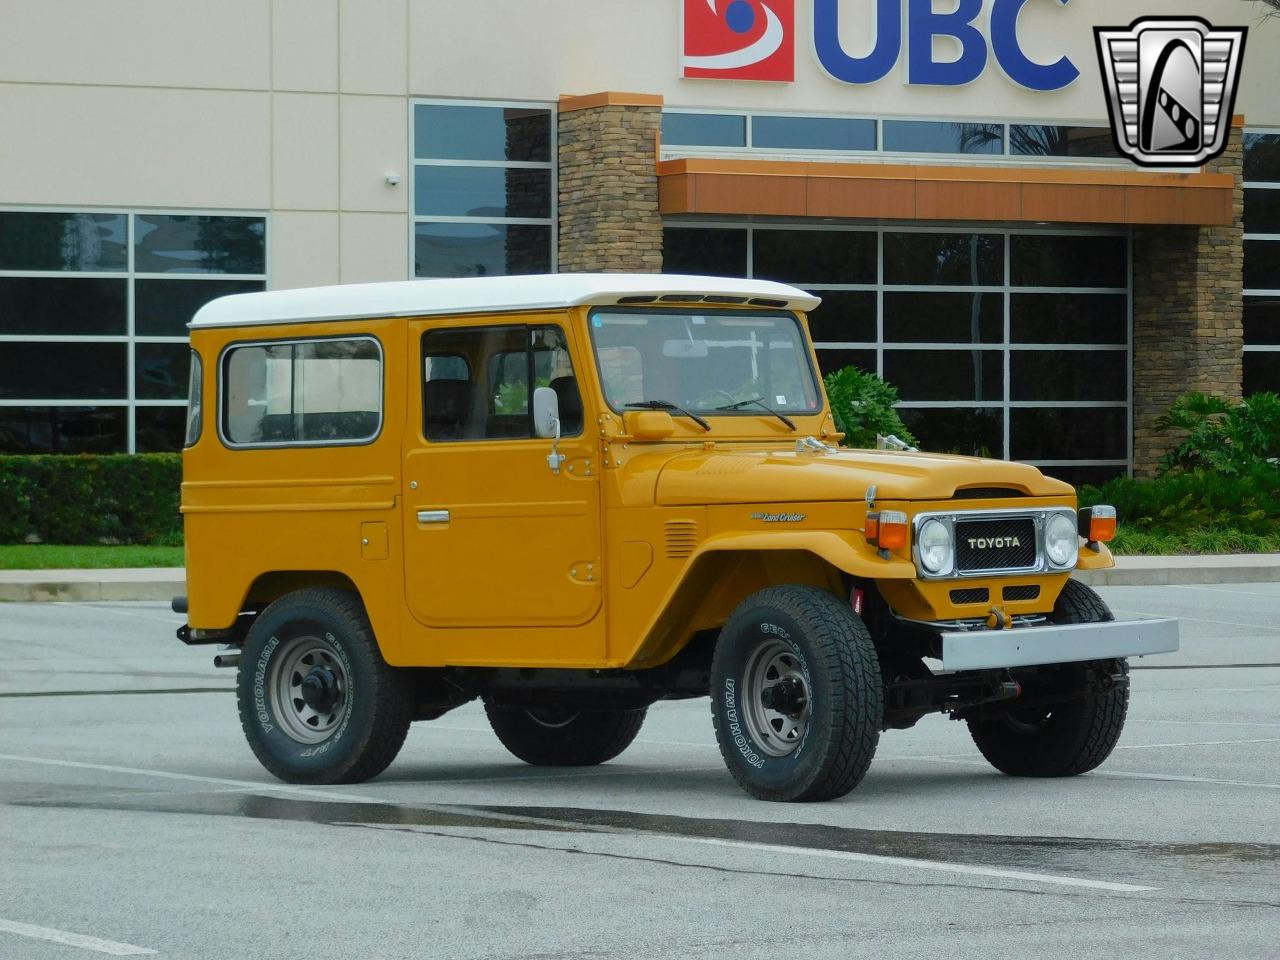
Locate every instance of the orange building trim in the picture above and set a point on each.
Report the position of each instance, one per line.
(929, 192)
(569, 103)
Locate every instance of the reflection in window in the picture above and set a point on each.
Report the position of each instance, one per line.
(943, 317)
(953, 259)
(972, 375)
(969, 432)
(161, 371)
(1262, 157)
(163, 308)
(712, 252)
(929, 136)
(815, 256)
(64, 429)
(845, 316)
(504, 198)
(1069, 375)
(1043, 433)
(182, 243)
(320, 391)
(1069, 260)
(63, 306)
(84, 242)
(704, 130)
(1044, 140)
(63, 371)
(813, 133)
(1261, 265)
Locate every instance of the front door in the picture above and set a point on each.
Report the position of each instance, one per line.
(493, 536)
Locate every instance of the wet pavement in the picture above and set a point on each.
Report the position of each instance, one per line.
(134, 818)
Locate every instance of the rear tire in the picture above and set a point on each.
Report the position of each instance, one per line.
(796, 695)
(317, 702)
(1069, 738)
(566, 738)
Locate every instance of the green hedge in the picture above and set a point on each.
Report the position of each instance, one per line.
(1248, 503)
(91, 499)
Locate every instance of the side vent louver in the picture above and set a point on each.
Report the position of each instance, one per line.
(682, 538)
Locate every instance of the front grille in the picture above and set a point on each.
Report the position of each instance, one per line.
(974, 595)
(995, 543)
(1028, 592)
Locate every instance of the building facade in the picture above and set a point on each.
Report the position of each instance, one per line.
(949, 186)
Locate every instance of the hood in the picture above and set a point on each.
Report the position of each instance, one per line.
(757, 476)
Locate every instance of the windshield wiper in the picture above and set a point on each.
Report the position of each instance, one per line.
(759, 402)
(664, 405)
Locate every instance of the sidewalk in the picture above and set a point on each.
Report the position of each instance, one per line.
(26, 586)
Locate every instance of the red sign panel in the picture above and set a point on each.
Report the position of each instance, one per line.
(740, 39)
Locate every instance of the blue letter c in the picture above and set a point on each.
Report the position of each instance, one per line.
(1021, 69)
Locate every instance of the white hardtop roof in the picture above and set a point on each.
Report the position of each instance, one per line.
(422, 298)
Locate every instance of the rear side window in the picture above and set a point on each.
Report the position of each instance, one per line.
(312, 392)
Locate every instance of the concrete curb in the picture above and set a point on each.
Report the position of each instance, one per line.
(78, 586)
(35, 586)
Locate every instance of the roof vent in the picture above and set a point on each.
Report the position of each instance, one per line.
(763, 302)
(637, 299)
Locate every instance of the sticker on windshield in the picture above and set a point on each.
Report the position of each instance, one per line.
(597, 322)
(782, 400)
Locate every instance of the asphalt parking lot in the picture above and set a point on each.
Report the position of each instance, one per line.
(135, 821)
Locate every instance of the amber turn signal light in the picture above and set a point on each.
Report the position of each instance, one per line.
(887, 529)
(1098, 524)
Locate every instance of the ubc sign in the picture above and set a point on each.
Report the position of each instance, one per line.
(755, 40)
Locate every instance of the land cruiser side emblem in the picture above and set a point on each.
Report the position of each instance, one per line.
(1171, 87)
(996, 543)
(779, 517)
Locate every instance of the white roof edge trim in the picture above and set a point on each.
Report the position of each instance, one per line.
(430, 298)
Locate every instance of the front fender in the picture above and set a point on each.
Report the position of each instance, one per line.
(845, 550)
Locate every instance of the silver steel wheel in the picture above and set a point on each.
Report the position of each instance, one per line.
(553, 718)
(778, 699)
(308, 686)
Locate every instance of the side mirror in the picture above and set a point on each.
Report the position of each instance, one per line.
(651, 425)
(546, 413)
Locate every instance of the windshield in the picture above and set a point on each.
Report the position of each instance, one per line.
(705, 361)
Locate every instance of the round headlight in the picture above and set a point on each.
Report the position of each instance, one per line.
(934, 543)
(1061, 542)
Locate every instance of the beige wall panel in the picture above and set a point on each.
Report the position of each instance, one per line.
(305, 45)
(305, 161)
(375, 143)
(373, 46)
(175, 43)
(374, 247)
(539, 49)
(304, 249)
(133, 147)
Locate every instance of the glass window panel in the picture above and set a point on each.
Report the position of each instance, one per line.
(1070, 260)
(829, 361)
(457, 132)
(1054, 433)
(1069, 318)
(845, 316)
(813, 133)
(1262, 211)
(815, 256)
(320, 391)
(1044, 140)
(1078, 476)
(703, 130)
(946, 374)
(1069, 375)
(968, 431)
(1261, 371)
(63, 241)
(63, 429)
(482, 192)
(955, 259)
(1261, 320)
(928, 136)
(480, 249)
(188, 243)
(1262, 265)
(1262, 157)
(159, 429)
(161, 371)
(63, 371)
(943, 317)
(163, 308)
(57, 306)
(714, 253)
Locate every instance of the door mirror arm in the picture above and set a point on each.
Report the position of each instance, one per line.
(555, 458)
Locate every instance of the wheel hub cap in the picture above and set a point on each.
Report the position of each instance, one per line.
(308, 687)
(320, 689)
(778, 702)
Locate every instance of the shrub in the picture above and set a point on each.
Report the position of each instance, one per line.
(1223, 436)
(862, 405)
(1247, 503)
(91, 499)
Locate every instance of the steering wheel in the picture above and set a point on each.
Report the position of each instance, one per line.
(729, 397)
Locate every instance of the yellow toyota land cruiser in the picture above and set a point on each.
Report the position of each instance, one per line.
(572, 496)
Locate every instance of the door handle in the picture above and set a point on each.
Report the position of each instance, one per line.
(433, 516)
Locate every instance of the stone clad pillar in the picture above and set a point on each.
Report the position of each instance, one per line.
(608, 205)
(1188, 326)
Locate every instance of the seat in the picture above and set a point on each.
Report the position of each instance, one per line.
(447, 405)
(570, 403)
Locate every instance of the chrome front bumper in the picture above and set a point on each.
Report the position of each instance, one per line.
(1029, 646)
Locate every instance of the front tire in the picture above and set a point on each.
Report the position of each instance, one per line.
(1070, 737)
(564, 737)
(318, 704)
(796, 695)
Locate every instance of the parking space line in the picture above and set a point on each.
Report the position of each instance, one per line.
(1209, 723)
(1194, 743)
(1118, 774)
(1226, 623)
(109, 947)
(119, 613)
